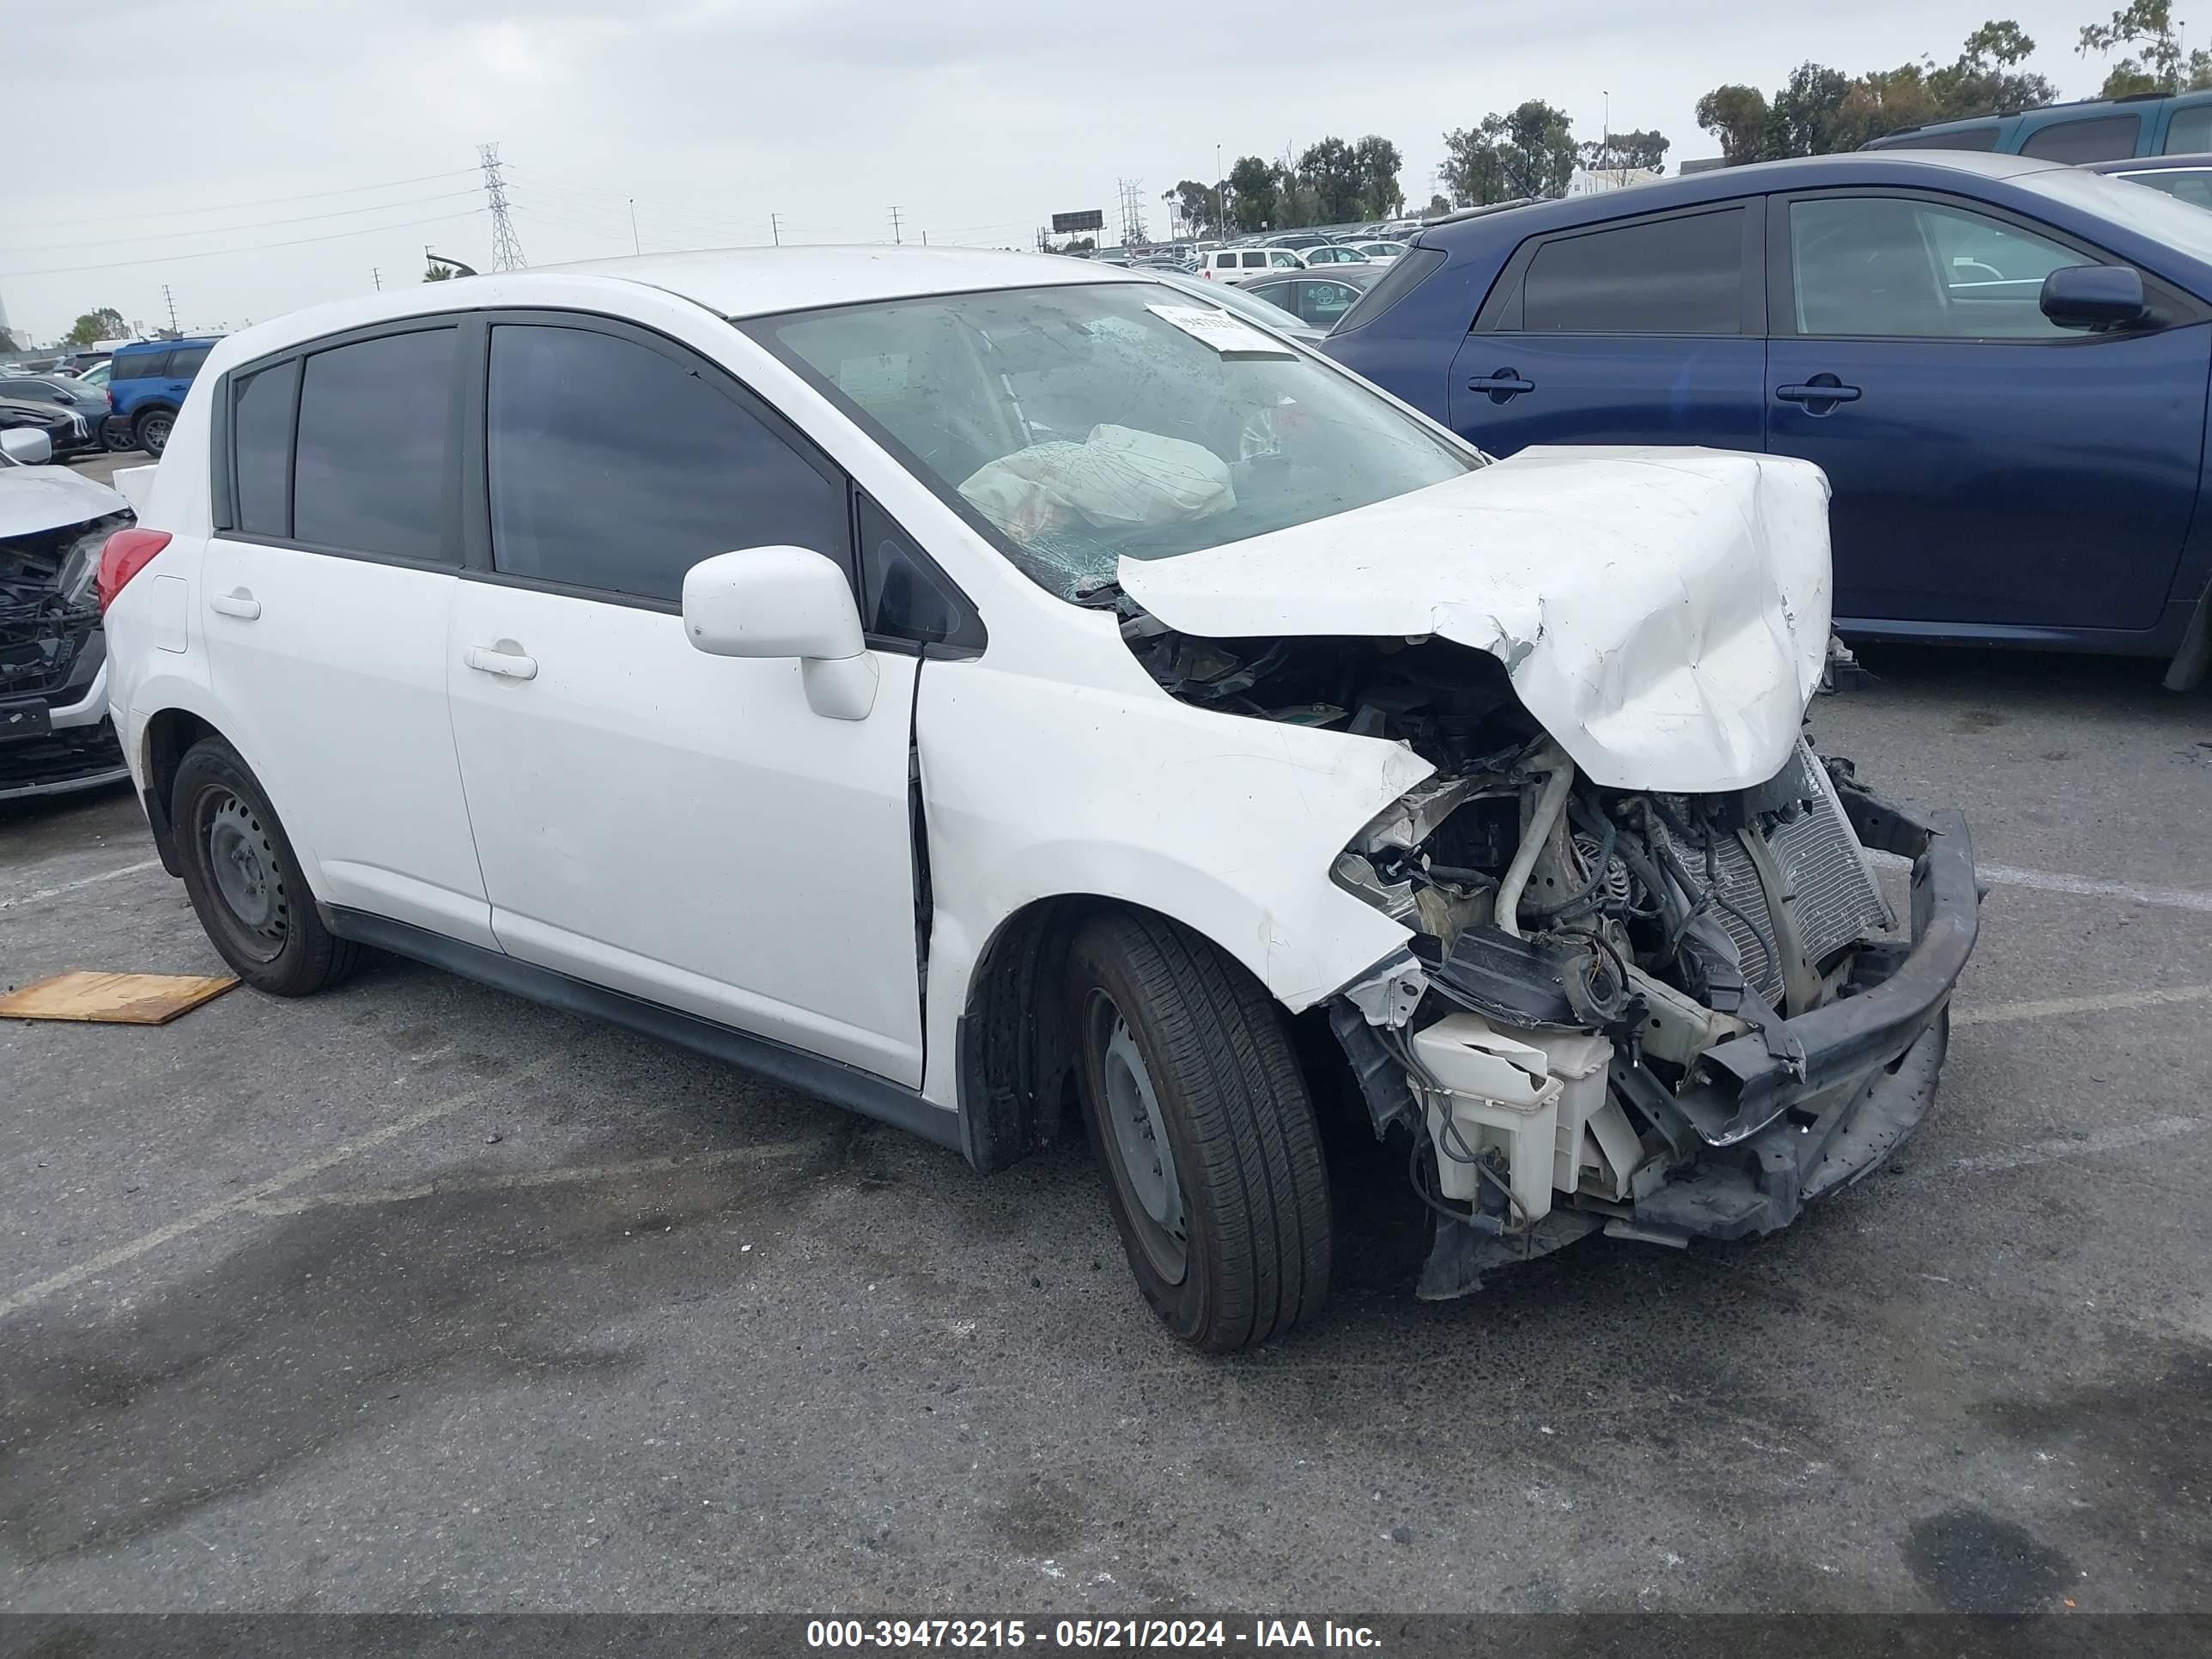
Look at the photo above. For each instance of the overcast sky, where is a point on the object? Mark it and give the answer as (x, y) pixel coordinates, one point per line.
(214, 128)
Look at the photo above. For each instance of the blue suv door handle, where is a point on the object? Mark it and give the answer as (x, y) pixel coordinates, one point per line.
(1502, 386)
(1820, 394)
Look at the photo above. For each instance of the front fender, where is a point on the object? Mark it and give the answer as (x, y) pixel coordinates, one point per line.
(1034, 789)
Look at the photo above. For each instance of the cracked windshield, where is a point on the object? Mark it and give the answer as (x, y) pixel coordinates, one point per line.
(1085, 423)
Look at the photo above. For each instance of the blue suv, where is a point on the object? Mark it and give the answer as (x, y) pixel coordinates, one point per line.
(146, 384)
(2002, 365)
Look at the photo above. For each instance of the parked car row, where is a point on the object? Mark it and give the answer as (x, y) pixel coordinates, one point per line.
(127, 401)
(2000, 363)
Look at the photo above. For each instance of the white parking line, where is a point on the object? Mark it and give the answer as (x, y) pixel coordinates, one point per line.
(2057, 881)
(2108, 1002)
(567, 1175)
(2066, 1146)
(81, 881)
(16, 1301)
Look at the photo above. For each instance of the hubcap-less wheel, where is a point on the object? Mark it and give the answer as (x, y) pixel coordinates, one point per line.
(244, 865)
(154, 435)
(1136, 1139)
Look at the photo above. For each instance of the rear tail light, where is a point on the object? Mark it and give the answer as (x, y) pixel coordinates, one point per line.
(111, 398)
(127, 553)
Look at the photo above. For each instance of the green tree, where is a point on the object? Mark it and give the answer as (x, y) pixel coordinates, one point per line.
(1377, 160)
(439, 273)
(1252, 193)
(1987, 78)
(1801, 119)
(1537, 150)
(1632, 152)
(2147, 26)
(1195, 202)
(1437, 205)
(1331, 176)
(1736, 115)
(1473, 172)
(104, 324)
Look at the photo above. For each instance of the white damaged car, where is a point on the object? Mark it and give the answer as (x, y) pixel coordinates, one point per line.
(993, 692)
(54, 738)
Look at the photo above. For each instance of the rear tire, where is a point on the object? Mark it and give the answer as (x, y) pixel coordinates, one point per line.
(152, 430)
(245, 882)
(1182, 1053)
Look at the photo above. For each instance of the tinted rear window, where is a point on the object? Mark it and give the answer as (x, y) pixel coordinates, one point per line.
(2189, 132)
(2106, 138)
(1406, 273)
(374, 434)
(1665, 276)
(1958, 138)
(185, 361)
(140, 366)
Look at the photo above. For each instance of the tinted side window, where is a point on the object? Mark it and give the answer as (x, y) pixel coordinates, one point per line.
(1963, 139)
(2190, 131)
(2193, 186)
(185, 361)
(374, 444)
(1668, 277)
(140, 366)
(2105, 139)
(1888, 267)
(261, 442)
(612, 466)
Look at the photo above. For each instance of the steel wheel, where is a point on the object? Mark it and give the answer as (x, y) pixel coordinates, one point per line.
(1136, 1140)
(243, 861)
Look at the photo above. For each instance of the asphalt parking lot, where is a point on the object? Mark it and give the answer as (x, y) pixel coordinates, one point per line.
(417, 1297)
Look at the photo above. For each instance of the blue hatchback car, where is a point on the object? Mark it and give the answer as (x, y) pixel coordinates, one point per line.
(2000, 363)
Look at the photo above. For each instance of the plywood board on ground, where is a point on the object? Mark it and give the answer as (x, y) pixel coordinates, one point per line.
(113, 999)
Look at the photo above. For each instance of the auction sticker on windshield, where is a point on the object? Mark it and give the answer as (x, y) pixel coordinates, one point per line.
(1222, 332)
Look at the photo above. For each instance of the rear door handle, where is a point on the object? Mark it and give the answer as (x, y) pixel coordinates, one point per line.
(237, 603)
(497, 659)
(1503, 385)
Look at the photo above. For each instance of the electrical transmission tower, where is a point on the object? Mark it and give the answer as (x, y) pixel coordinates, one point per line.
(506, 245)
(1132, 212)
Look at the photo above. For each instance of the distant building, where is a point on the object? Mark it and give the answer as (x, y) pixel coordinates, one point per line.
(1588, 182)
(1702, 164)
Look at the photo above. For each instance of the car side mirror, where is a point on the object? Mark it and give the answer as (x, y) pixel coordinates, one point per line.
(2094, 296)
(785, 602)
(26, 448)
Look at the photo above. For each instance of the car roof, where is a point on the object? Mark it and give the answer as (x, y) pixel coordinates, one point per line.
(166, 345)
(758, 281)
(1884, 166)
(2151, 164)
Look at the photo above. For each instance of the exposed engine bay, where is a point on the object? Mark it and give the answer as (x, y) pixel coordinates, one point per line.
(1564, 1041)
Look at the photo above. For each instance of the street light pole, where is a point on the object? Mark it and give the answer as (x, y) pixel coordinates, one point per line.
(1220, 213)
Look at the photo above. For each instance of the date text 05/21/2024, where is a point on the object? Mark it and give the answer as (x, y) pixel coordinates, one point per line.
(856, 1633)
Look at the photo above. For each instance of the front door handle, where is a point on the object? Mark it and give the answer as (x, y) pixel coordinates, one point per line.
(505, 659)
(237, 603)
(1503, 386)
(1820, 394)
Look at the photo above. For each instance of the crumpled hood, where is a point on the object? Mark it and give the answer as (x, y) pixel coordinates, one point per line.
(1663, 612)
(36, 498)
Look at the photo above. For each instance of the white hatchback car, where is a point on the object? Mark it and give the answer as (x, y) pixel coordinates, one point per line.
(986, 691)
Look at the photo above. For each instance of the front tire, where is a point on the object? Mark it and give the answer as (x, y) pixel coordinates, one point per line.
(245, 880)
(1196, 1105)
